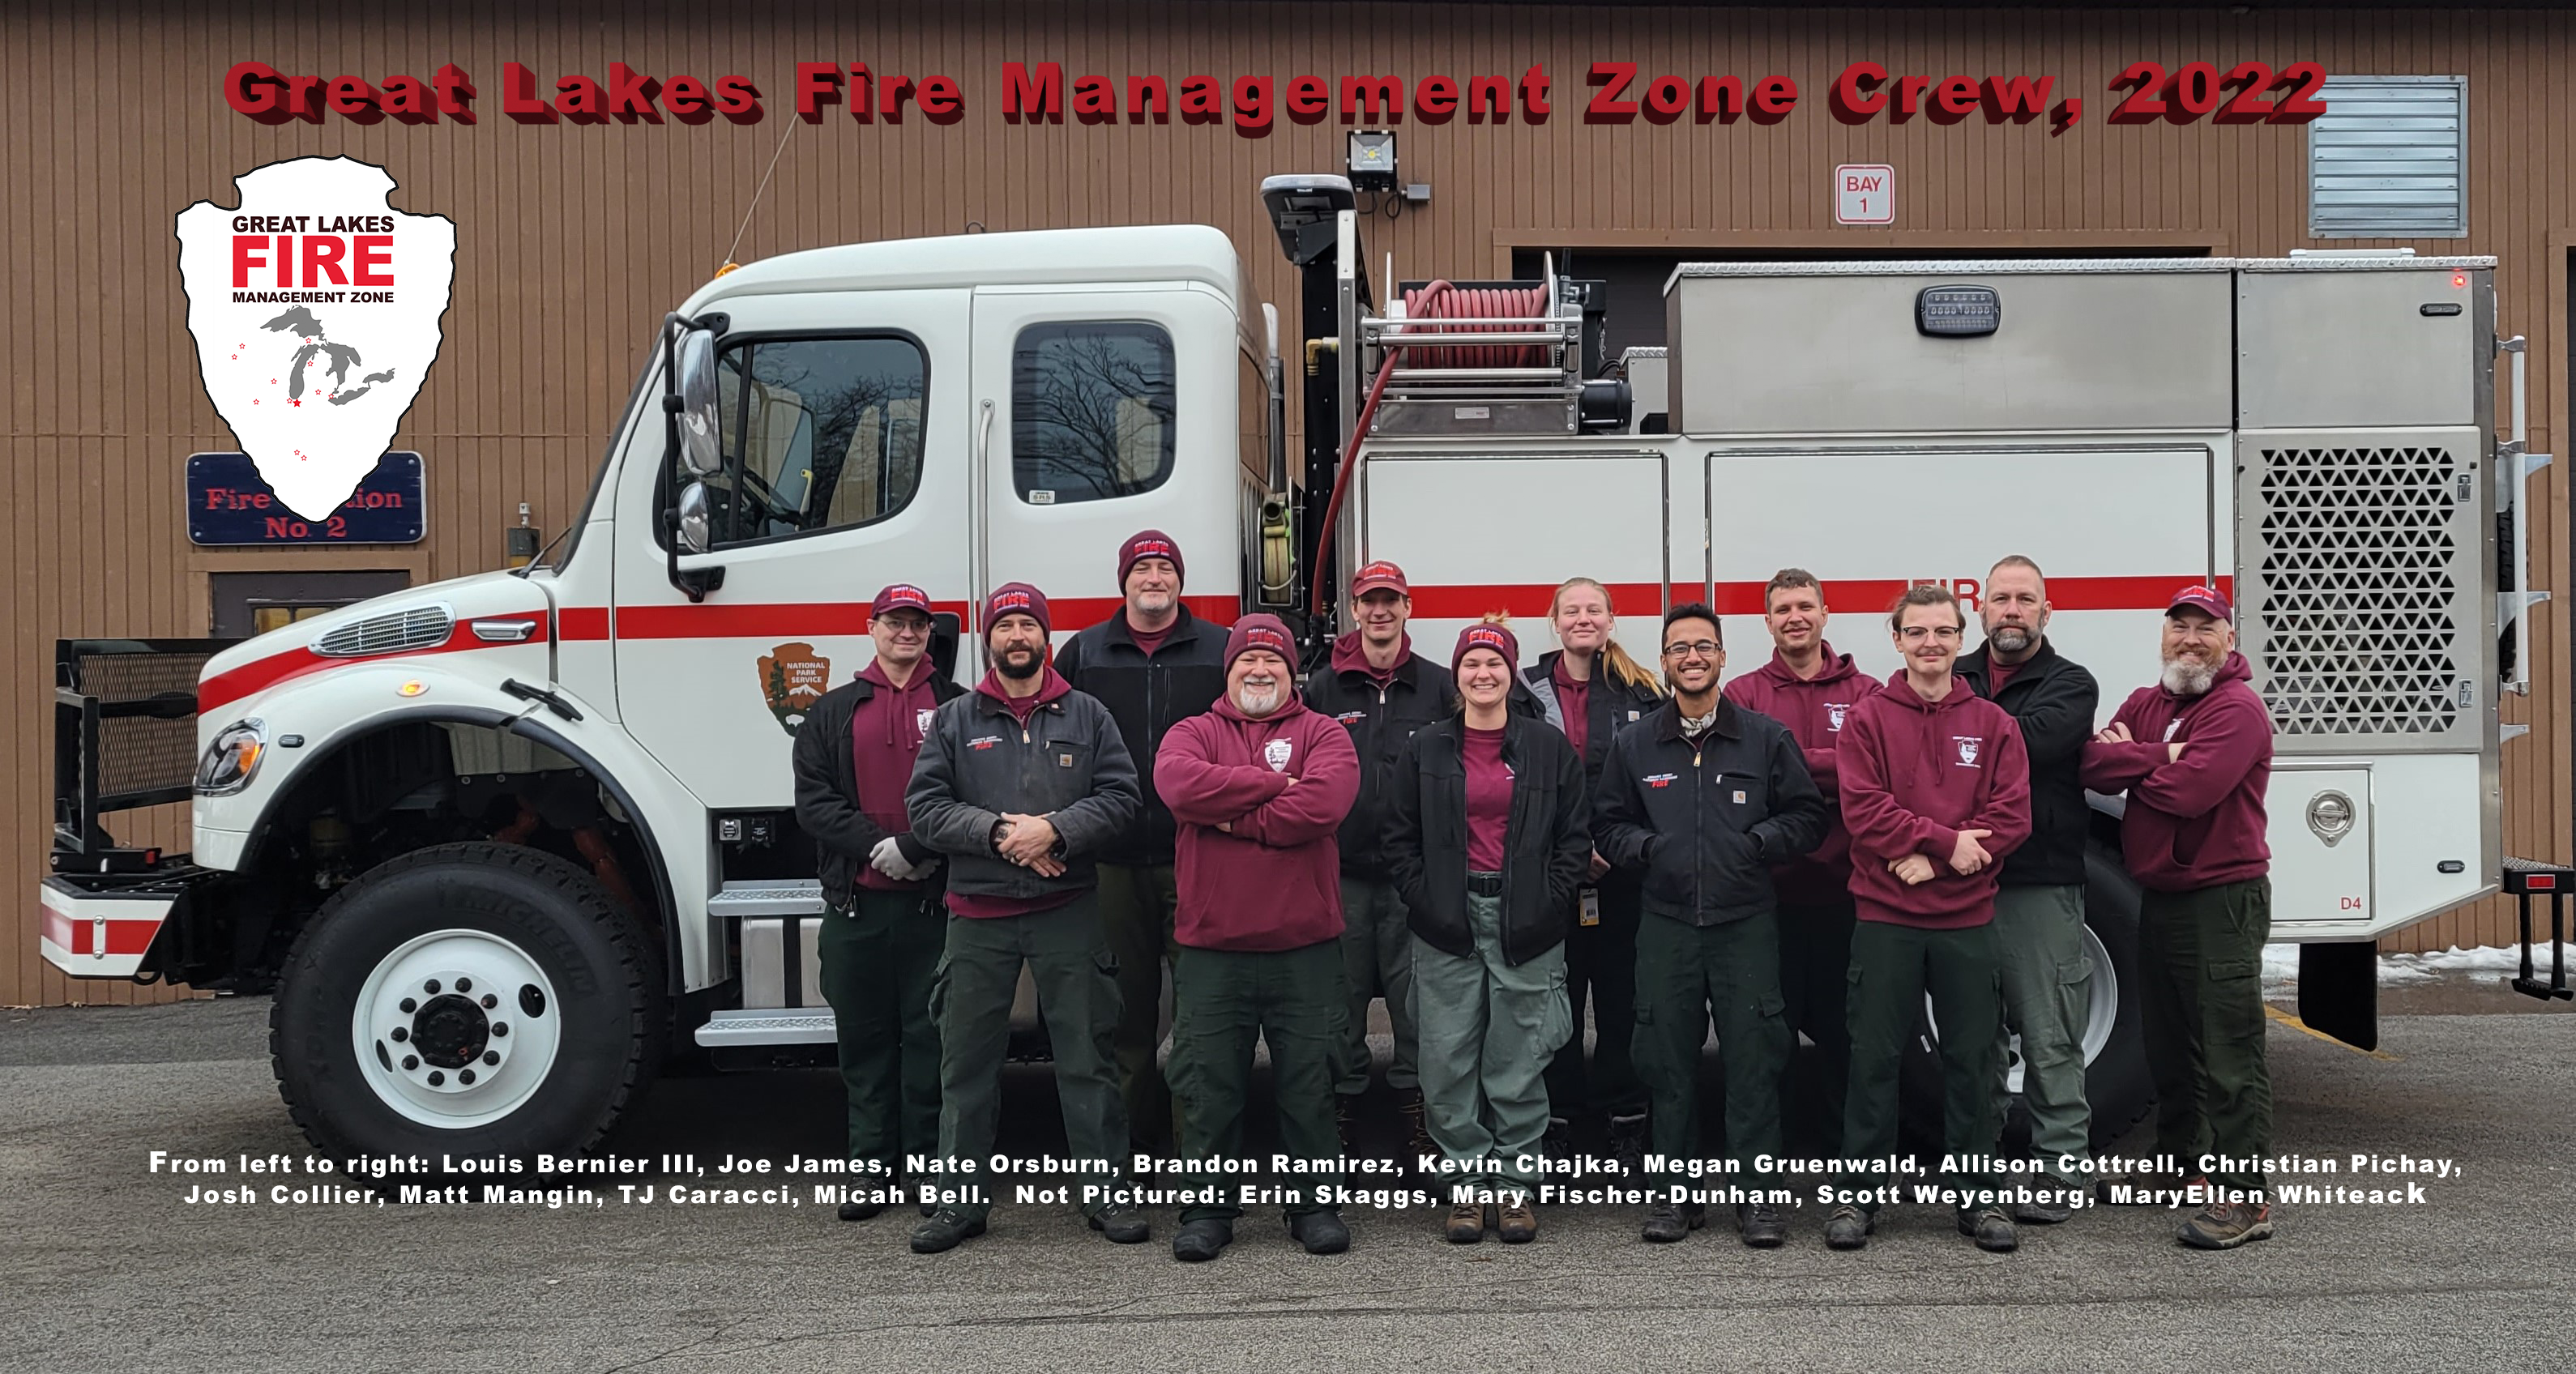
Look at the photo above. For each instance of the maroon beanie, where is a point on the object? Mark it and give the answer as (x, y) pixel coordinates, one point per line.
(1149, 544)
(1498, 638)
(1017, 598)
(1260, 632)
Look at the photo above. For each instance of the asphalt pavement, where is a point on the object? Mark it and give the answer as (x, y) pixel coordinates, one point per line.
(106, 1266)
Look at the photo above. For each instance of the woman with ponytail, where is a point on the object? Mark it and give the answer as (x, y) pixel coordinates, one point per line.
(1591, 689)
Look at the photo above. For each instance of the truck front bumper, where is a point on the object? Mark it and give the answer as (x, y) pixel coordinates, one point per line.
(104, 925)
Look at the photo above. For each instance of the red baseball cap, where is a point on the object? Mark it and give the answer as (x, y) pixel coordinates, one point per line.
(901, 596)
(1379, 576)
(2208, 600)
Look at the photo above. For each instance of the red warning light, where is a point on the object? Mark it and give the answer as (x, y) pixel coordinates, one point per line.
(2459, 279)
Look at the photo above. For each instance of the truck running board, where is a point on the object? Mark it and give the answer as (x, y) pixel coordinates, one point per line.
(2525, 879)
(733, 1029)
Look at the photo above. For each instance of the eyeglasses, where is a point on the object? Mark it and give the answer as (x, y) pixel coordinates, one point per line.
(1913, 634)
(1697, 648)
(906, 626)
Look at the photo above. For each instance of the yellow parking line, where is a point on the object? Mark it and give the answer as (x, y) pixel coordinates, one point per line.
(2304, 1028)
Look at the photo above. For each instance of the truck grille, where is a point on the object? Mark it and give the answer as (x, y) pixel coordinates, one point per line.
(420, 627)
(2357, 596)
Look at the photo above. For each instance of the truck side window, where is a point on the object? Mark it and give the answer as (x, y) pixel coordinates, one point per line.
(818, 434)
(1091, 411)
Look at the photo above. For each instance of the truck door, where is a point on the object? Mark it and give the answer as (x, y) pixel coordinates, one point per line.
(1100, 412)
(845, 425)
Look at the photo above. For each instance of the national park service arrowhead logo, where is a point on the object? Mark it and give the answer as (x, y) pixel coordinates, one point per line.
(792, 678)
(316, 306)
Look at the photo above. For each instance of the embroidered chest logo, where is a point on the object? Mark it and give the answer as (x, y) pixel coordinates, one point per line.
(1834, 713)
(1968, 747)
(983, 742)
(1660, 779)
(1739, 799)
(1352, 717)
(1275, 753)
(921, 721)
(1064, 760)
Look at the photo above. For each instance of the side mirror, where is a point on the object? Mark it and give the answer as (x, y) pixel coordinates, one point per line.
(694, 383)
(695, 521)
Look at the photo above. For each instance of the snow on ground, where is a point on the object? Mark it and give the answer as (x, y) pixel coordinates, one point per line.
(2494, 964)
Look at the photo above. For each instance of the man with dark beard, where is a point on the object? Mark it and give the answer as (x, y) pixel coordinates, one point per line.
(2194, 753)
(2039, 905)
(1020, 784)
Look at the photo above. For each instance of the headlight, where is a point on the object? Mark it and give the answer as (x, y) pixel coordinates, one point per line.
(232, 758)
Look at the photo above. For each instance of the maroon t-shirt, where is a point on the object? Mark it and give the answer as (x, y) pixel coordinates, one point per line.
(1151, 642)
(1571, 699)
(1997, 674)
(1489, 800)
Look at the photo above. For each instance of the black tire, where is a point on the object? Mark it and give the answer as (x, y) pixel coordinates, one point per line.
(2117, 1085)
(604, 967)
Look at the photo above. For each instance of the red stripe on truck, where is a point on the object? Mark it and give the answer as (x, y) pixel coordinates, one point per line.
(1465, 601)
(128, 936)
(816, 619)
(259, 675)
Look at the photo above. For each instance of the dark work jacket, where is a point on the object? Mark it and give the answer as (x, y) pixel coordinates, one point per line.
(1146, 697)
(1380, 722)
(827, 787)
(1545, 847)
(2052, 698)
(1068, 765)
(1706, 823)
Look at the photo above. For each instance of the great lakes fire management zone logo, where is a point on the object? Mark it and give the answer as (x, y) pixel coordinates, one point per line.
(792, 678)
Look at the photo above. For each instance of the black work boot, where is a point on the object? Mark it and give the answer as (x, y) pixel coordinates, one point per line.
(1628, 1142)
(1322, 1233)
(1667, 1222)
(1122, 1224)
(1557, 1146)
(2051, 1201)
(860, 1211)
(1848, 1228)
(945, 1228)
(1201, 1240)
(1992, 1230)
(1760, 1225)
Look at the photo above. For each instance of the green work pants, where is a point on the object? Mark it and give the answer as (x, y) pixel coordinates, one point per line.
(1488, 1029)
(1815, 972)
(878, 955)
(1222, 1001)
(1377, 961)
(2201, 956)
(1892, 967)
(1687, 976)
(1136, 907)
(2039, 932)
(1077, 982)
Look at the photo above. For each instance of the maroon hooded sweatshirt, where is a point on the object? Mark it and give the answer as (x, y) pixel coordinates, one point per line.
(1051, 685)
(885, 740)
(1815, 710)
(2198, 820)
(1271, 878)
(1915, 773)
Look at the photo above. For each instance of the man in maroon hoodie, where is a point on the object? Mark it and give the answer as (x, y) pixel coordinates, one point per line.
(1811, 689)
(1258, 785)
(2194, 753)
(1936, 788)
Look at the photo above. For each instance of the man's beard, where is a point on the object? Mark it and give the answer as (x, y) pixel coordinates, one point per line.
(2012, 639)
(1259, 701)
(2188, 677)
(1008, 664)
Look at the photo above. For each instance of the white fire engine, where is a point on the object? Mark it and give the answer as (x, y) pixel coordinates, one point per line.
(501, 843)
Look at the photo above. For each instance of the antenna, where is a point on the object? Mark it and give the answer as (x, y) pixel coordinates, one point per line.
(755, 198)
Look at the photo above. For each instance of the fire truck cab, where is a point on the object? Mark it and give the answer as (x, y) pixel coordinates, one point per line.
(504, 843)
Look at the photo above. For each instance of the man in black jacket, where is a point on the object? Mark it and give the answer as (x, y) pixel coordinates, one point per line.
(1022, 782)
(1383, 692)
(881, 939)
(2039, 909)
(1704, 798)
(1153, 665)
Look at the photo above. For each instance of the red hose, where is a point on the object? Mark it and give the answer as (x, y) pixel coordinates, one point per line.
(1466, 305)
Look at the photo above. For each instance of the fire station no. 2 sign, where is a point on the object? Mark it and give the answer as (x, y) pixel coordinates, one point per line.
(1864, 193)
(228, 504)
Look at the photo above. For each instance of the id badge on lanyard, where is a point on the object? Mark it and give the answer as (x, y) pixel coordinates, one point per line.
(1589, 909)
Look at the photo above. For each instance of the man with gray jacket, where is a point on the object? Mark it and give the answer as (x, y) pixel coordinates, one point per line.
(1020, 784)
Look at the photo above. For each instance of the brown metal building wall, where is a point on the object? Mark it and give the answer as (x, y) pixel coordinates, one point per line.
(573, 239)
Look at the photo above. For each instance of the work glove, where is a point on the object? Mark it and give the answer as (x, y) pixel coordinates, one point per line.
(887, 858)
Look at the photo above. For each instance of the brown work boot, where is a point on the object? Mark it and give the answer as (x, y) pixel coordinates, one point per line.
(1417, 1126)
(1518, 1223)
(1466, 1224)
(2171, 1189)
(2223, 1225)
